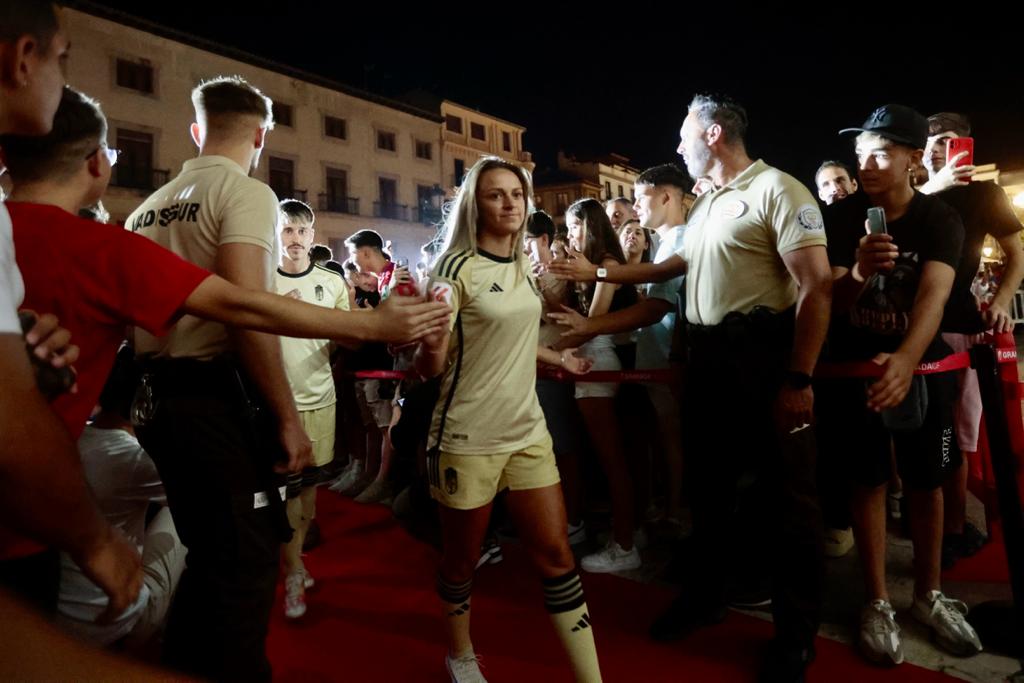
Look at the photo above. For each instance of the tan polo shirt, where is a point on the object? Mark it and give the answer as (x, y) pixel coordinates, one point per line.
(735, 238)
(212, 202)
(307, 362)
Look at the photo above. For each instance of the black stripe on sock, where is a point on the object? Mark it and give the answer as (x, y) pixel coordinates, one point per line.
(563, 593)
(455, 593)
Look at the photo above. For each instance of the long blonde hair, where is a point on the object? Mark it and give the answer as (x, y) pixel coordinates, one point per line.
(461, 220)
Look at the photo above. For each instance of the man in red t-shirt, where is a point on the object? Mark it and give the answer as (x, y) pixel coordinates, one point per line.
(43, 495)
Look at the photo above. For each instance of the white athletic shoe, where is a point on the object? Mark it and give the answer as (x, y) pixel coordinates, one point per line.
(348, 476)
(464, 669)
(945, 617)
(612, 559)
(294, 596)
(880, 634)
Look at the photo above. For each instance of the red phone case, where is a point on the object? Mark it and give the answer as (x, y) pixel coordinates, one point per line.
(957, 145)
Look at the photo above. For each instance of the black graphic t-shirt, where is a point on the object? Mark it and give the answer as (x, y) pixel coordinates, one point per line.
(984, 209)
(877, 322)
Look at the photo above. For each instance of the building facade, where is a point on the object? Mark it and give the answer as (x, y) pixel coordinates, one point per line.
(360, 160)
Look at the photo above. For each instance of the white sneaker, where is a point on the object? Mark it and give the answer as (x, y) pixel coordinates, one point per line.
(377, 492)
(838, 542)
(464, 669)
(577, 533)
(294, 596)
(945, 617)
(612, 559)
(879, 639)
(348, 476)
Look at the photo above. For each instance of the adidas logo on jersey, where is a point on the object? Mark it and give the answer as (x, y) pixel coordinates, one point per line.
(496, 288)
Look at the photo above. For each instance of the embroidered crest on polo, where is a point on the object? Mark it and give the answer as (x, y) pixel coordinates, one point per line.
(809, 218)
(734, 209)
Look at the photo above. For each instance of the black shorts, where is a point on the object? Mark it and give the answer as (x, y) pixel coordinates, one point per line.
(859, 442)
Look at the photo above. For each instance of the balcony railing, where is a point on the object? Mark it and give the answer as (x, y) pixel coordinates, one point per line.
(143, 179)
(336, 204)
(428, 215)
(397, 212)
(290, 193)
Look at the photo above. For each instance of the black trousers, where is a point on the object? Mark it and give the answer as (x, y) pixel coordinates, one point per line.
(35, 579)
(215, 457)
(734, 374)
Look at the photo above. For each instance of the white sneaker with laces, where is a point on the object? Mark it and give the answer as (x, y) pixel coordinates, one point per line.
(879, 638)
(946, 618)
(464, 669)
(294, 596)
(612, 559)
(348, 476)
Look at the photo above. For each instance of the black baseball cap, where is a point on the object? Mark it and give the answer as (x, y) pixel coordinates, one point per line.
(895, 122)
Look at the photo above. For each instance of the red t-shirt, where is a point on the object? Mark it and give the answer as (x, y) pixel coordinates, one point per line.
(97, 279)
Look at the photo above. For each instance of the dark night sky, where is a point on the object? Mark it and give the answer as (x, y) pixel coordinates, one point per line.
(621, 83)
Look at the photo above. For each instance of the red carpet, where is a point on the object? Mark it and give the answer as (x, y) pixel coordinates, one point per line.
(373, 617)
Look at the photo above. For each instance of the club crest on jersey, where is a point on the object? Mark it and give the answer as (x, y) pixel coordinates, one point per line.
(451, 481)
(319, 290)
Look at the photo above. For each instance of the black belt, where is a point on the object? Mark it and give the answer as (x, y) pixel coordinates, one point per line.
(220, 377)
(761, 325)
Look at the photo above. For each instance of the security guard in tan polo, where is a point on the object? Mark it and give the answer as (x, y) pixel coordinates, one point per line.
(216, 411)
(758, 295)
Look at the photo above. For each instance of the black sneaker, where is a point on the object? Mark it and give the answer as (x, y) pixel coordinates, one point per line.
(490, 553)
(785, 664)
(684, 616)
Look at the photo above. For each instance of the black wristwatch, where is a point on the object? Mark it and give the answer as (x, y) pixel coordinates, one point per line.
(797, 380)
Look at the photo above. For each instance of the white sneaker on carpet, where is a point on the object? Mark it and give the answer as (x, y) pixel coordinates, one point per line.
(294, 596)
(879, 638)
(464, 669)
(377, 492)
(349, 476)
(946, 618)
(612, 559)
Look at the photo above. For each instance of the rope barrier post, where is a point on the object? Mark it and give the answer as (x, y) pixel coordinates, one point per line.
(1000, 624)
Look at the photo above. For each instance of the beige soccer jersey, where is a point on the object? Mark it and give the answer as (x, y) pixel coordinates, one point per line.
(735, 238)
(210, 203)
(307, 362)
(488, 402)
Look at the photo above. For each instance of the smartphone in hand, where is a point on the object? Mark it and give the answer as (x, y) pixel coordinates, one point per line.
(876, 221)
(956, 145)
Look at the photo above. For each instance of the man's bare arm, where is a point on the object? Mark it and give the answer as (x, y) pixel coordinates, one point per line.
(399, 319)
(43, 492)
(580, 269)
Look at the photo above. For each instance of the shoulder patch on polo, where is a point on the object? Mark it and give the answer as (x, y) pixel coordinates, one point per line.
(809, 218)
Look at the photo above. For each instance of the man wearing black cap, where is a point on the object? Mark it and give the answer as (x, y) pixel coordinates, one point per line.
(985, 210)
(888, 300)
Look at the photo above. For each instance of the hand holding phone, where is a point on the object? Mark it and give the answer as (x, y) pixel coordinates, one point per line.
(956, 146)
(876, 221)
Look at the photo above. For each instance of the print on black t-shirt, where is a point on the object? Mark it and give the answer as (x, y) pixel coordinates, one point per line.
(928, 231)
